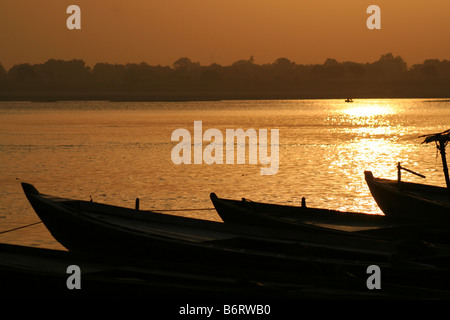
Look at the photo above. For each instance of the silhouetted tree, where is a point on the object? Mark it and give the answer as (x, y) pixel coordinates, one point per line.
(431, 68)
(244, 70)
(57, 71)
(212, 73)
(108, 73)
(22, 73)
(185, 71)
(332, 69)
(2, 72)
(137, 73)
(389, 74)
(387, 66)
(283, 64)
(354, 70)
(185, 64)
(244, 63)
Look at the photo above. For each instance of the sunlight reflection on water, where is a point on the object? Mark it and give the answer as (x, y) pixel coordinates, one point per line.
(366, 110)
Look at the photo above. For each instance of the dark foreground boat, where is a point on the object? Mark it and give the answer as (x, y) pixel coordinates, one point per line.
(312, 220)
(41, 274)
(38, 273)
(410, 200)
(126, 235)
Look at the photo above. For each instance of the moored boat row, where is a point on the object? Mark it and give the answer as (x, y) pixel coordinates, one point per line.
(410, 209)
(275, 255)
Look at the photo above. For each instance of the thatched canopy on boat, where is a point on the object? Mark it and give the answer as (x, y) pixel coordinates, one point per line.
(442, 137)
(441, 140)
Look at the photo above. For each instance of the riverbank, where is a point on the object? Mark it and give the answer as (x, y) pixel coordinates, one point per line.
(49, 96)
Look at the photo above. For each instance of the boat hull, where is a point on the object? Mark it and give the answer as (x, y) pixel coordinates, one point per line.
(131, 237)
(410, 200)
(101, 229)
(311, 220)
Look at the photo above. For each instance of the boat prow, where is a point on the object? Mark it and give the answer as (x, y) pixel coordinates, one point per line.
(410, 200)
(29, 188)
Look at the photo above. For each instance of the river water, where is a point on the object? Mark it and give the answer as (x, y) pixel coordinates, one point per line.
(116, 152)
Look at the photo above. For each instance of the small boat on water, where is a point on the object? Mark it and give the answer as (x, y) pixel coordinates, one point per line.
(313, 220)
(348, 100)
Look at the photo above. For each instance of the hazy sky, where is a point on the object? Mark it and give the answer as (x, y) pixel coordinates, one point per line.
(208, 31)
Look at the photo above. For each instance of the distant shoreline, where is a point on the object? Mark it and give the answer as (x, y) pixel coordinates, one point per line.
(204, 96)
(388, 77)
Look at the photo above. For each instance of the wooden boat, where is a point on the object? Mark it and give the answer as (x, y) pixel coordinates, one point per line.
(96, 230)
(413, 200)
(313, 220)
(85, 226)
(28, 272)
(39, 273)
(410, 200)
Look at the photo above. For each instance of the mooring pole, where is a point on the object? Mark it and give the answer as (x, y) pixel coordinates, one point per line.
(137, 204)
(441, 140)
(441, 147)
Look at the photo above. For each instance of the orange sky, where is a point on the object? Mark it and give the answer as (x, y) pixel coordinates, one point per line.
(222, 31)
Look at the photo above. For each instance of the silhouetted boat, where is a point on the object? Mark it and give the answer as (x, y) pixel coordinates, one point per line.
(348, 100)
(409, 200)
(313, 220)
(39, 273)
(85, 226)
(96, 230)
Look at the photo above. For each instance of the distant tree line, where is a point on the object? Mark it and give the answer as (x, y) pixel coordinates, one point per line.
(388, 76)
